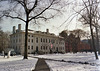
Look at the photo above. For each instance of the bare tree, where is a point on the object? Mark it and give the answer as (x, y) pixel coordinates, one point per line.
(64, 34)
(32, 10)
(4, 40)
(72, 39)
(95, 19)
(1, 32)
(78, 33)
(89, 15)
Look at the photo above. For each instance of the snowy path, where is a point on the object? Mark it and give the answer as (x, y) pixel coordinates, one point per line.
(41, 65)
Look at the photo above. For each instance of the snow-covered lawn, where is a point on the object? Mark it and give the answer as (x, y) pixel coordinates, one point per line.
(78, 57)
(16, 63)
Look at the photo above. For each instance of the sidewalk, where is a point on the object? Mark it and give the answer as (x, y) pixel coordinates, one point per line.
(41, 65)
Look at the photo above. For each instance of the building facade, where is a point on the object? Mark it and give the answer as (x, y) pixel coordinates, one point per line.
(82, 46)
(39, 42)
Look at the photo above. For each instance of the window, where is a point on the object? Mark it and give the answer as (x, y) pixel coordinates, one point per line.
(28, 47)
(28, 40)
(46, 40)
(41, 47)
(32, 35)
(41, 39)
(44, 47)
(31, 47)
(49, 40)
(32, 40)
(29, 35)
(37, 40)
(53, 41)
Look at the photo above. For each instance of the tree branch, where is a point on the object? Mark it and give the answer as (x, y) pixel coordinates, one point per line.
(23, 4)
(67, 19)
(42, 11)
(15, 17)
(86, 6)
(35, 4)
(82, 16)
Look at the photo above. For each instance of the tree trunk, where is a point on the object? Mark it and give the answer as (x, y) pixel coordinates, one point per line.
(68, 47)
(93, 44)
(94, 49)
(26, 38)
(97, 38)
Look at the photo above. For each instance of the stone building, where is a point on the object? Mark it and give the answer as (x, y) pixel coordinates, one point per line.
(43, 42)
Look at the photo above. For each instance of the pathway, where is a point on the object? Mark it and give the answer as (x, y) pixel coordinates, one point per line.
(41, 65)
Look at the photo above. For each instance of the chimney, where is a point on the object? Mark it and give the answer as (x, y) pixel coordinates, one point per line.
(47, 30)
(19, 27)
(14, 29)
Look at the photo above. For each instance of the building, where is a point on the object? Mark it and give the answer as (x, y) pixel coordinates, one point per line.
(38, 42)
(82, 46)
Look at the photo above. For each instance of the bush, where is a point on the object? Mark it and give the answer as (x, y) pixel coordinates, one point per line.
(40, 52)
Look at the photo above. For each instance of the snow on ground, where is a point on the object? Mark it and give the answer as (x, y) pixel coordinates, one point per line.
(17, 63)
(78, 57)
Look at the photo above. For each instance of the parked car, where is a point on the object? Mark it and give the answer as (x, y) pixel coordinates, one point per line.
(13, 53)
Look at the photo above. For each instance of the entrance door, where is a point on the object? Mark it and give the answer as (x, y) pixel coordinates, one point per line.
(57, 49)
(36, 48)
